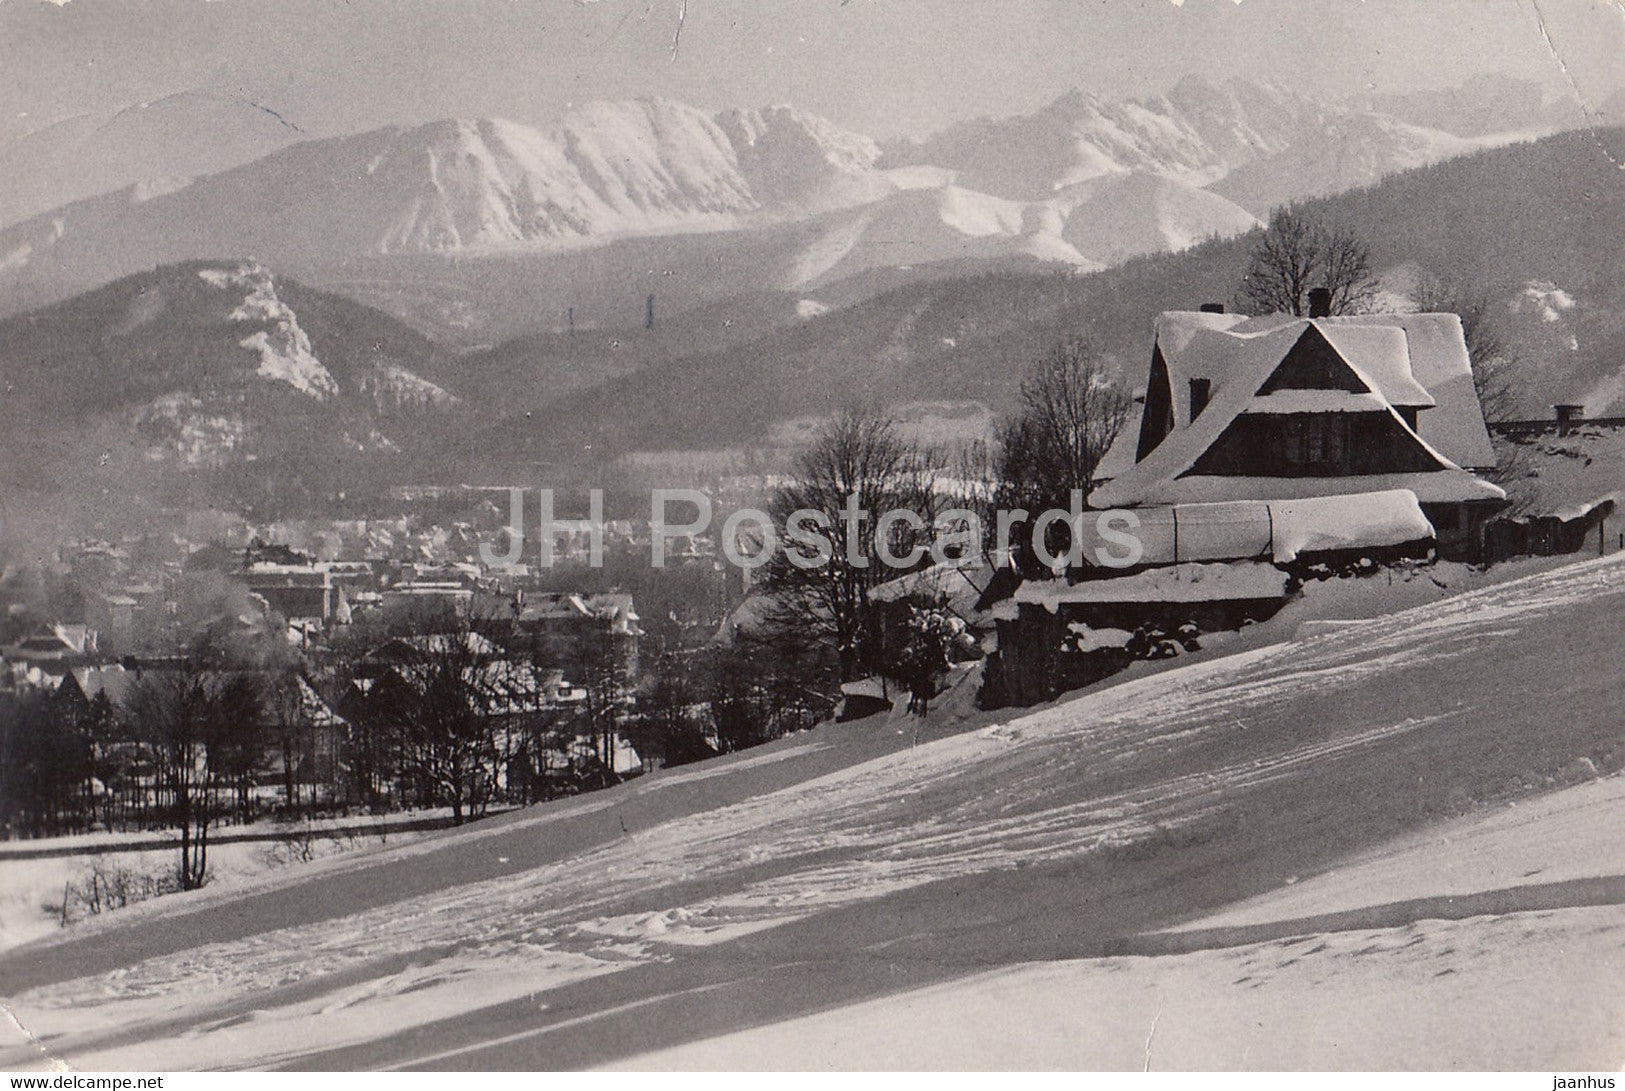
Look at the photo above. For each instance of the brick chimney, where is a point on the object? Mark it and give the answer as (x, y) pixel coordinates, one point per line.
(1320, 302)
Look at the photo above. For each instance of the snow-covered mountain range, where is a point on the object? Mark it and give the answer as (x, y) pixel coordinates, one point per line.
(1084, 182)
(1199, 133)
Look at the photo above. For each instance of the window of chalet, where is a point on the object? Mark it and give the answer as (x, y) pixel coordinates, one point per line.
(1313, 441)
(1313, 445)
(1444, 516)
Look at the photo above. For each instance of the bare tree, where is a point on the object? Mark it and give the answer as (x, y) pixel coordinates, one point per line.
(198, 717)
(599, 662)
(859, 464)
(670, 708)
(1298, 253)
(1070, 413)
(436, 699)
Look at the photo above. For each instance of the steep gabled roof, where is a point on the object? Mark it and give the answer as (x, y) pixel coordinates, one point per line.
(58, 639)
(1414, 360)
(313, 710)
(1382, 355)
(1239, 361)
(405, 649)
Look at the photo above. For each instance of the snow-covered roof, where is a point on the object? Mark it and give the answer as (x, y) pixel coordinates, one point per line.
(313, 709)
(1185, 583)
(959, 584)
(1381, 354)
(1280, 529)
(1335, 523)
(1449, 486)
(1316, 401)
(1439, 362)
(113, 681)
(407, 647)
(1238, 359)
(1581, 508)
(864, 687)
(1412, 360)
(1120, 455)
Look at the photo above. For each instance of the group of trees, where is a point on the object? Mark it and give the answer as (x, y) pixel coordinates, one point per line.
(432, 709)
(823, 615)
(181, 748)
(447, 709)
(721, 699)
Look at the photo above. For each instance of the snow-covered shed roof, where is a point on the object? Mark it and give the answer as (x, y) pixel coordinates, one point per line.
(958, 584)
(1338, 523)
(1186, 583)
(1280, 529)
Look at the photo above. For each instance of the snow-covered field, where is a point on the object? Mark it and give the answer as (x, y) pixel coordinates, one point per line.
(33, 888)
(1529, 980)
(1068, 872)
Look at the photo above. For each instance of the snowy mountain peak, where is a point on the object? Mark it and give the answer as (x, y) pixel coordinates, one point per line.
(617, 170)
(282, 346)
(1198, 133)
(604, 169)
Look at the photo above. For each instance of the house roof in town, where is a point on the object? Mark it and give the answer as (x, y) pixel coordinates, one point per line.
(114, 682)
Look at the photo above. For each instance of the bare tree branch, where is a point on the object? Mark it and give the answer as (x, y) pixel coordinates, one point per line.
(1298, 253)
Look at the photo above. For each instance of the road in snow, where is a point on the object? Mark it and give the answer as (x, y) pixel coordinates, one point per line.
(860, 870)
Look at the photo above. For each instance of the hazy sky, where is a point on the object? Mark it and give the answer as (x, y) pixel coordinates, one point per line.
(879, 66)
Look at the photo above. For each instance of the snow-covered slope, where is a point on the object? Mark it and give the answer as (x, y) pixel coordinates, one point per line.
(924, 225)
(606, 169)
(1354, 150)
(1089, 225)
(801, 877)
(1198, 134)
(1082, 136)
(1122, 216)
